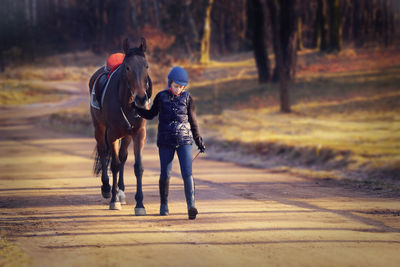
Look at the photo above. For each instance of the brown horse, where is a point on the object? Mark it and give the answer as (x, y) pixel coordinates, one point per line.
(116, 123)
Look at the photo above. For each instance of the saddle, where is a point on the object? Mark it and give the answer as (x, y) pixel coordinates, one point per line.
(101, 83)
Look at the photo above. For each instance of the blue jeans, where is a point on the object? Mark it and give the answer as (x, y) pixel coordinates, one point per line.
(185, 160)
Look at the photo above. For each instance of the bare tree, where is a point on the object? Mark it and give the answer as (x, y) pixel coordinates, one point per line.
(284, 19)
(335, 26)
(205, 40)
(321, 26)
(192, 36)
(257, 32)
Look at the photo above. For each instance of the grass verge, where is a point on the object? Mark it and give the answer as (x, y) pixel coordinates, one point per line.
(74, 120)
(15, 92)
(343, 126)
(345, 122)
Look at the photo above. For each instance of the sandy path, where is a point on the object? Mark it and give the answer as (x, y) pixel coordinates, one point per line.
(51, 208)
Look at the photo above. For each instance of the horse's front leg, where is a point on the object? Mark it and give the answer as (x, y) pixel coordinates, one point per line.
(138, 145)
(115, 204)
(123, 155)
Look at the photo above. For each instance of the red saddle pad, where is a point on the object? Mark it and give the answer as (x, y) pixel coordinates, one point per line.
(114, 60)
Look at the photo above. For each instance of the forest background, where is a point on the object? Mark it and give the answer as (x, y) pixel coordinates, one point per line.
(310, 87)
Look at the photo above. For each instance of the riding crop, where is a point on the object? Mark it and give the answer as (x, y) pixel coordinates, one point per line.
(196, 156)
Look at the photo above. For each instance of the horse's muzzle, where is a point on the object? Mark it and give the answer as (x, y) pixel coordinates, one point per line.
(142, 102)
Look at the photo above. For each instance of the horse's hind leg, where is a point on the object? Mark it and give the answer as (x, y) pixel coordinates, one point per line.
(103, 153)
(115, 204)
(138, 145)
(123, 155)
(105, 180)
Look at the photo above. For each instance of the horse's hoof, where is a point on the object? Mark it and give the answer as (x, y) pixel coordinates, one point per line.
(140, 211)
(122, 197)
(106, 194)
(115, 206)
(164, 210)
(192, 212)
(106, 191)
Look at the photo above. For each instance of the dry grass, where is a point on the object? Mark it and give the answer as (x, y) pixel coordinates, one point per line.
(71, 66)
(75, 119)
(16, 92)
(345, 121)
(26, 84)
(19, 85)
(367, 139)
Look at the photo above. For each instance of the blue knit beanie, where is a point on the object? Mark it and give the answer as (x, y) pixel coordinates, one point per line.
(179, 76)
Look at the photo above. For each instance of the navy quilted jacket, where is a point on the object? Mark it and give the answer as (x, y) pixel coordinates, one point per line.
(177, 124)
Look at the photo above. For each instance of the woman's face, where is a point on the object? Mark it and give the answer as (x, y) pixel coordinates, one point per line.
(177, 88)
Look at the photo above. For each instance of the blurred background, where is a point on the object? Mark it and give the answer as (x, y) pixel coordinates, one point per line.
(309, 87)
(31, 29)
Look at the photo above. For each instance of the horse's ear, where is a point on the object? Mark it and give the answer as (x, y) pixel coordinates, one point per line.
(143, 45)
(125, 45)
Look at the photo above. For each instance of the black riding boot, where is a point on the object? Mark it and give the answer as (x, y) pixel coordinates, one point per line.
(164, 187)
(189, 194)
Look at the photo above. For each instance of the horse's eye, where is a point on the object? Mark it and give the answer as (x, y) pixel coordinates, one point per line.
(147, 66)
(128, 68)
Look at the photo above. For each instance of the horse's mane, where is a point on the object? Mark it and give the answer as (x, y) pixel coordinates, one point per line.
(134, 51)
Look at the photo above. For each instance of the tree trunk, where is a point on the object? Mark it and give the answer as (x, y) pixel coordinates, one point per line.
(357, 23)
(348, 20)
(321, 27)
(244, 19)
(284, 16)
(273, 7)
(284, 92)
(98, 26)
(300, 45)
(34, 13)
(192, 37)
(205, 40)
(392, 13)
(222, 29)
(256, 22)
(117, 16)
(335, 27)
(156, 13)
(289, 20)
(31, 20)
(28, 13)
(284, 27)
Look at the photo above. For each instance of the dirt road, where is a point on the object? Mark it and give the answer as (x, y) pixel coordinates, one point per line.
(52, 209)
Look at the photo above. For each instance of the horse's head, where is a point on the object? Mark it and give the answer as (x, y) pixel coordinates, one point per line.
(136, 75)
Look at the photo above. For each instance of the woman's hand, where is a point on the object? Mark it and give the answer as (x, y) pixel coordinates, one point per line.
(200, 144)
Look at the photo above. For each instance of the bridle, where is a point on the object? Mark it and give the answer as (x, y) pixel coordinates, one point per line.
(132, 52)
(138, 52)
(146, 96)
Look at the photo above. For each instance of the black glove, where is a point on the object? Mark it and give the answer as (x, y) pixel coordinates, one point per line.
(200, 144)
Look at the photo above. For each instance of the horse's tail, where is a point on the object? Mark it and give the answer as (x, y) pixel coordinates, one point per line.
(97, 162)
(97, 166)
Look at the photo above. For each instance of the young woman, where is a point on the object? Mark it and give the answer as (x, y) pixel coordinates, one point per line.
(177, 128)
